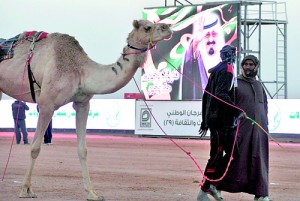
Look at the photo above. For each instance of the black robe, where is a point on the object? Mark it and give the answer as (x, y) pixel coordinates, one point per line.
(249, 170)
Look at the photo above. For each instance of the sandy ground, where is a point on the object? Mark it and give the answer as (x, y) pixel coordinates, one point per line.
(131, 168)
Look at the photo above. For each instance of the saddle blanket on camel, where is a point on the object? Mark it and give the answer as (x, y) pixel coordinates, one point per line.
(7, 45)
(7, 52)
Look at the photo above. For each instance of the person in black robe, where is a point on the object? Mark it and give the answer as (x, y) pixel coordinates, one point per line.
(219, 117)
(249, 169)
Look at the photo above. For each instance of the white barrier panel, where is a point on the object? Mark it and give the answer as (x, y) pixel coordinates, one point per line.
(103, 114)
(183, 118)
(176, 118)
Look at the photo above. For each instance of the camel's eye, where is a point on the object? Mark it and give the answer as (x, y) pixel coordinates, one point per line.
(147, 28)
(165, 27)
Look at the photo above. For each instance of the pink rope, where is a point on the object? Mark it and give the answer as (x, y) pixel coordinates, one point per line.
(229, 162)
(187, 152)
(30, 55)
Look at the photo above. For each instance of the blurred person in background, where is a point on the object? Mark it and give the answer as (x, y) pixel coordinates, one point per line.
(48, 132)
(19, 115)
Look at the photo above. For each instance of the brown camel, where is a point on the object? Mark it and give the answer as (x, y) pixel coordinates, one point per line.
(66, 74)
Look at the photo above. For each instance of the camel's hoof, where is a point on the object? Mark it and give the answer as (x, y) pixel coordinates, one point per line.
(27, 193)
(100, 198)
(92, 196)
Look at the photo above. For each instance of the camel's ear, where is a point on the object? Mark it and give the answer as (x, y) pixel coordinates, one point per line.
(136, 24)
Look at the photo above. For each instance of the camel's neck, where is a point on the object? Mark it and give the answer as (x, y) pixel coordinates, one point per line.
(104, 79)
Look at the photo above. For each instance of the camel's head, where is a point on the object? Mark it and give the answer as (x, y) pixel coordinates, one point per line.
(146, 33)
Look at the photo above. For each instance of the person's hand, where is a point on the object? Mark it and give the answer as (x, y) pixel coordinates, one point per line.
(202, 133)
(203, 129)
(197, 54)
(198, 33)
(242, 116)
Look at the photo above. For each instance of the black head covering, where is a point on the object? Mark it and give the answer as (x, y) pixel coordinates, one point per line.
(227, 54)
(253, 58)
(253, 72)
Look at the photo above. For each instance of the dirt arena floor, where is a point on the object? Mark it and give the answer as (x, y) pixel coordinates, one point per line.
(132, 168)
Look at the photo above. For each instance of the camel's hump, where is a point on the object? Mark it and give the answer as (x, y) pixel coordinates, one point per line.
(54, 37)
(64, 41)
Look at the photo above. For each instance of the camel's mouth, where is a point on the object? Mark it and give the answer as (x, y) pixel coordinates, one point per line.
(166, 37)
(169, 36)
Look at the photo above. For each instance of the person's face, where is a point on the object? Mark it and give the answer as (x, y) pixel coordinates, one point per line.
(249, 69)
(249, 65)
(210, 39)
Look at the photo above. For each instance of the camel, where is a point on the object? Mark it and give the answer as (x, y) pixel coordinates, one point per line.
(66, 74)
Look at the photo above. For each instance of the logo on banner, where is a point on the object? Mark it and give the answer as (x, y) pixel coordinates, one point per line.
(145, 120)
(274, 116)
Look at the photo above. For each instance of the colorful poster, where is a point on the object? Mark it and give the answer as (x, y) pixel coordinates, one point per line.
(177, 69)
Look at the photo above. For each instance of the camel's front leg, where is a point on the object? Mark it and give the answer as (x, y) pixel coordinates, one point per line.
(82, 110)
(26, 191)
(43, 121)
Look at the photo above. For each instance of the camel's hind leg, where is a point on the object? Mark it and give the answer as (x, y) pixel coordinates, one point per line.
(44, 118)
(82, 110)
